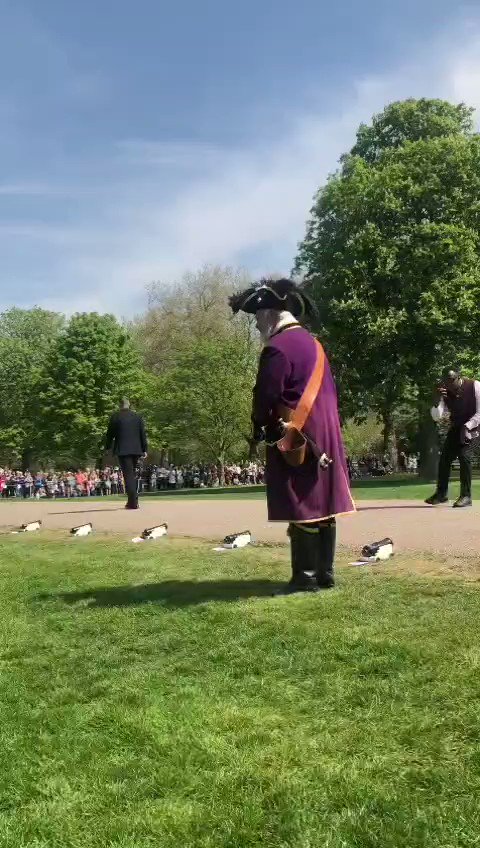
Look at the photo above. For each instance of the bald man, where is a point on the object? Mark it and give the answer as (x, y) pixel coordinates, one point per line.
(126, 437)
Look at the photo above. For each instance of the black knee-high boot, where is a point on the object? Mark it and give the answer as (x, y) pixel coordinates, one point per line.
(327, 534)
(304, 560)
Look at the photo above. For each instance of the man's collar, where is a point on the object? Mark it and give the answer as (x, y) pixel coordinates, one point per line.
(290, 326)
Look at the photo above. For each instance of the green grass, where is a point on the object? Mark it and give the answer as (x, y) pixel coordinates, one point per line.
(403, 489)
(387, 488)
(157, 696)
(395, 487)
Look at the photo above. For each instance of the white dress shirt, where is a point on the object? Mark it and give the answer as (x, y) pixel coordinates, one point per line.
(440, 411)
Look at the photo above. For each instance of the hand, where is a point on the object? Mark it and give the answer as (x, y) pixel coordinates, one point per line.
(441, 392)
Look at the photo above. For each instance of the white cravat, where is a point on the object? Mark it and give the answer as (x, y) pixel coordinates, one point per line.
(284, 318)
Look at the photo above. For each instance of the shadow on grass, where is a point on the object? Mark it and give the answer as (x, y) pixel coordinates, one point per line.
(172, 593)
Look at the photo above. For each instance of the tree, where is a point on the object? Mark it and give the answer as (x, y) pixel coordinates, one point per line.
(206, 394)
(92, 365)
(26, 336)
(411, 120)
(392, 257)
(194, 307)
(362, 438)
(186, 321)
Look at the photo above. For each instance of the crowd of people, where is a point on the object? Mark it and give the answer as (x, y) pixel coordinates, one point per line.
(155, 478)
(109, 481)
(371, 465)
(66, 484)
(162, 477)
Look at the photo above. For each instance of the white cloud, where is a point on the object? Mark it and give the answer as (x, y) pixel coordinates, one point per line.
(237, 203)
(179, 154)
(54, 235)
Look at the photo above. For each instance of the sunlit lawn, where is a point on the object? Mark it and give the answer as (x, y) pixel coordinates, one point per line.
(157, 695)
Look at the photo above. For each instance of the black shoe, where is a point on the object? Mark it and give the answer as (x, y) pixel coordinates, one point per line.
(436, 499)
(463, 500)
(329, 585)
(130, 506)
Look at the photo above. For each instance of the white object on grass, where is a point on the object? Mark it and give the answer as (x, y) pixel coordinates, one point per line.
(29, 528)
(82, 530)
(378, 551)
(236, 540)
(155, 532)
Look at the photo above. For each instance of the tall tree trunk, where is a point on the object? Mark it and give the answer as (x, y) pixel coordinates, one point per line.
(390, 438)
(428, 443)
(27, 459)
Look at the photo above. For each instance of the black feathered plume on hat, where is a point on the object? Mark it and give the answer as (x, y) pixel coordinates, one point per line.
(281, 294)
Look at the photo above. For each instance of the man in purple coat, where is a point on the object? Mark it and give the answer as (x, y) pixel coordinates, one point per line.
(311, 495)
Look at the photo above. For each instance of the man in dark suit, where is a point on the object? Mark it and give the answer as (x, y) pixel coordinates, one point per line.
(126, 437)
(459, 399)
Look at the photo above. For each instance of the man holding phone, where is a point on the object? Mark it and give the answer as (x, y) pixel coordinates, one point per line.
(459, 398)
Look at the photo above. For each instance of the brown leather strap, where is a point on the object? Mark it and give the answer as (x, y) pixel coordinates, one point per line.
(304, 406)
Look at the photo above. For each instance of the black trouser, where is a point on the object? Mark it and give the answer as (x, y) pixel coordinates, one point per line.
(454, 449)
(128, 464)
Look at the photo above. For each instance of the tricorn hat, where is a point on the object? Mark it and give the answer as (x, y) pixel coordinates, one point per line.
(281, 294)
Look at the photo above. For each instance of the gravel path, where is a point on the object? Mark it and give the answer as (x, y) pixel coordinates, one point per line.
(412, 525)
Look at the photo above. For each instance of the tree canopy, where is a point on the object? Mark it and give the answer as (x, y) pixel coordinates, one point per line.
(411, 120)
(92, 365)
(194, 307)
(204, 401)
(392, 254)
(26, 337)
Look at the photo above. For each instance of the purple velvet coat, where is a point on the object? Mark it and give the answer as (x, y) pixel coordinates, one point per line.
(305, 493)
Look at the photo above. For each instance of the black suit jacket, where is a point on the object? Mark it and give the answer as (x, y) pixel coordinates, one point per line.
(126, 434)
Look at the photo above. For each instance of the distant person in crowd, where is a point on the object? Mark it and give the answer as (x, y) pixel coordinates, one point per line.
(412, 463)
(459, 398)
(127, 438)
(80, 483)
(172, 478)
(28, 485)
(294, 373)
(153, 480)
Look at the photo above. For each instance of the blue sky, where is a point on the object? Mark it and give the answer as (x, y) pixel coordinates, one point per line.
(141, 140)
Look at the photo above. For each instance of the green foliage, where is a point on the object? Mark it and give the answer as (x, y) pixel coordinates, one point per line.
(204, 361)
(193, 308)
(205, 397)
(93, 364)
(392, 254)
(362, 437)
(59, 384)
(12, 440)
(411, 120)
(26, 337)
